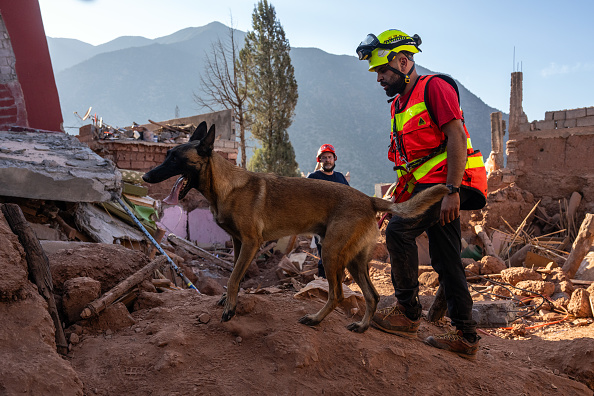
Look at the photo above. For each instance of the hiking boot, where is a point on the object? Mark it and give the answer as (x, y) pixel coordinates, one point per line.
(455, 342)
(393, 320)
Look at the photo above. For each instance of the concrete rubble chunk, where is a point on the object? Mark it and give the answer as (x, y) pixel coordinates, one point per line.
(517, 274)
(534, 286)
(494, 313)
(55, 166)
(579, 305)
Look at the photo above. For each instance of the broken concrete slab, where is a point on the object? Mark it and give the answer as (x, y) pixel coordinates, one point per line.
(56, 166)
(103, 227)
(499, 313)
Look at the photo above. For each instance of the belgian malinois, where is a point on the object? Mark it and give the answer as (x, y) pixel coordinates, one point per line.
(258, 207)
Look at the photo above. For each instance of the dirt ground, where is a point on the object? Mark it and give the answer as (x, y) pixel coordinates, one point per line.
(173, 343)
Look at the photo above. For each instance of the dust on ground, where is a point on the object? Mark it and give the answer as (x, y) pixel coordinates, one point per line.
(172, 342)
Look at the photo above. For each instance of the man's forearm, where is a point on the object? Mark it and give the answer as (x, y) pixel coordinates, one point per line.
(456, 148)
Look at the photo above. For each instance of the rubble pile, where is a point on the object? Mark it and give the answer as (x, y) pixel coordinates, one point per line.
(165, 133)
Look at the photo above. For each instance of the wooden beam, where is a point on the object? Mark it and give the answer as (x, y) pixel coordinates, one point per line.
(94, 308)
(198, 251)
(581, 246)
(38, 265)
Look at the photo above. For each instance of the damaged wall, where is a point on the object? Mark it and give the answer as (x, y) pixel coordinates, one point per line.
(142, 156)
(28, 93)
(550, 157)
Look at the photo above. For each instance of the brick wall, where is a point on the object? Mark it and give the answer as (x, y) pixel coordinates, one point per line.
(12, 102)
(24, 57)
(143, 156)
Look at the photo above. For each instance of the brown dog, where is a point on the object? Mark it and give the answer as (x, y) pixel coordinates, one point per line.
(258, 207)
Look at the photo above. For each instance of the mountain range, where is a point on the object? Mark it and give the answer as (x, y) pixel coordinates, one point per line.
(132, 79)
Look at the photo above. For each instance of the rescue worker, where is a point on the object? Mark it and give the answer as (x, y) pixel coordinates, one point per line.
(429, 145)
(327, 162)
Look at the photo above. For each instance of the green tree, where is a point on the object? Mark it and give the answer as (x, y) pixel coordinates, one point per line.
(272, 92)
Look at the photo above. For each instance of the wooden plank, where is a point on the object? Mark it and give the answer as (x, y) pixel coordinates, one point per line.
(480, 232)
(141, 201)
(198, 251)
(97, 306)
(133, 189)
(581, 246)
(38, 265)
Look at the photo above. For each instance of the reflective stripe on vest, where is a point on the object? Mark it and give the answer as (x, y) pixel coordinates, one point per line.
(405, 116)
(415, 136)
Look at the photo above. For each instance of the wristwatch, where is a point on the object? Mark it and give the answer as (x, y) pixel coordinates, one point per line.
(453, 189)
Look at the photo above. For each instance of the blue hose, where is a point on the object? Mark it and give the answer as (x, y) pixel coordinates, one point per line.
(159, 248)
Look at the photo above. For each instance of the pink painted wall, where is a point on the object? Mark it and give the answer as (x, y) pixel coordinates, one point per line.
(200, 223)
(174, 221)
(203, 228)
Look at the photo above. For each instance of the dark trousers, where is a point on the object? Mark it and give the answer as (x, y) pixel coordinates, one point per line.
(321, 271)
(444, 249)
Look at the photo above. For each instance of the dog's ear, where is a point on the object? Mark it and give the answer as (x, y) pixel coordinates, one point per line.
(199, 132)
(207, 143)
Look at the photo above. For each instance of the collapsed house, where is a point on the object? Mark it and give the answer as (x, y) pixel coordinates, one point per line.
(139, 148)
(57, 193)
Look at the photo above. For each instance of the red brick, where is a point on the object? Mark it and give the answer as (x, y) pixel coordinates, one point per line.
(6, 101)
(123, 164)
(8, 111)
(136, 164)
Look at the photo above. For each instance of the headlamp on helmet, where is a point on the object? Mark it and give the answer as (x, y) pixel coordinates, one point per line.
(382, 49)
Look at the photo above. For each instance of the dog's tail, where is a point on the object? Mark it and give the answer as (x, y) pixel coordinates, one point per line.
(415, 206)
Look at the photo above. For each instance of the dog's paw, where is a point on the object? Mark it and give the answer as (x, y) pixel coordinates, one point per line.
(357, 327)
(223, 300)
(227, 315)
(309, 320)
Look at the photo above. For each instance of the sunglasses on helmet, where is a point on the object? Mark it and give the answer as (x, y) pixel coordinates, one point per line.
(371, 42)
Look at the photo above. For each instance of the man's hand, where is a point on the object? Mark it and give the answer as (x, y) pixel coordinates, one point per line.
(450, 208)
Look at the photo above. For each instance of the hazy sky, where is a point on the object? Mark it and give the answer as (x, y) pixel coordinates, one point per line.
(474, 41)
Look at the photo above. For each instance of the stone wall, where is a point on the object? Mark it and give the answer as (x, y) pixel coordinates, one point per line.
(550, 157)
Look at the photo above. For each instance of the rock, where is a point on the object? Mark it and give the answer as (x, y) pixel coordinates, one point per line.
(147, 286)
(493, 313)
(204, 318)
(13, 264)
(586, 269)
(561, 299)
(501, 291)
(429, 279)
(113, 318)
(209, 283)
(473, 269)
(564, 286)
(518, 330)
(491, 265)
(78, 293)
(30, 363)
(147, 300)
(74, 339)
(579, 305)
(518, 274)
(556, 275)
(535, 286)
(108, 264)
